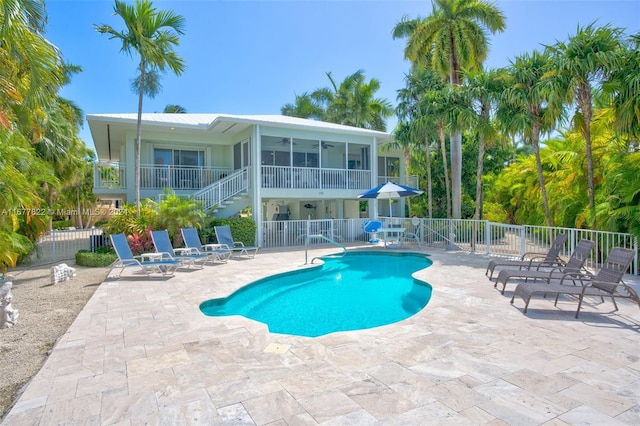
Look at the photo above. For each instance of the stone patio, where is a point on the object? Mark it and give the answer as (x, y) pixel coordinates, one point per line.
(142, 353)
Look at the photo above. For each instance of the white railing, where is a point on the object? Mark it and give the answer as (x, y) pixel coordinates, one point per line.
(109, 176)
(113, 176)
(480, 236)
(227, 187)
(411, 181)
(59, 245)
(314, 178)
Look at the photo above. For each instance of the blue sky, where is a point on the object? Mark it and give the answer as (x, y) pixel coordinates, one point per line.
(252, 57)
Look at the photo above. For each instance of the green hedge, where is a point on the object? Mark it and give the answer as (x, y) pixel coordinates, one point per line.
(243, 229)
(98, 259)
(61, 224)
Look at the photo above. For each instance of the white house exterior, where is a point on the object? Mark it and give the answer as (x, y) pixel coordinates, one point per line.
(284, 168)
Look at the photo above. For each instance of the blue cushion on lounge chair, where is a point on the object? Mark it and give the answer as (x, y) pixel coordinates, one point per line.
(192, 241)
(223, 234)
(126, 259)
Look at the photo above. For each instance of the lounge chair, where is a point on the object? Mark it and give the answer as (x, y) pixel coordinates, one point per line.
(574, 265)
(217, 252)
(126, 259)
(607, 283)
(223, 234)
(533, 260)
(186, 255)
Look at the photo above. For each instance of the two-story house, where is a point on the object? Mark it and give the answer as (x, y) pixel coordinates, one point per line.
(283, 168)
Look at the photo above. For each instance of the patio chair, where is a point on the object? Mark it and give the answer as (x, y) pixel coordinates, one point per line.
(186, 255)
(607, 283)
(417, 232)
(214, 251)
(126, 258)
(574, 265)
(371, 227)
(223, 234)
(532, 260)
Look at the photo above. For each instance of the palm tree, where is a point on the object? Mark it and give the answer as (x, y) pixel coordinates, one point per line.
(152, 35)
(523, 108)
(625, 88)
(582, 64)
(174, 109)
(351, 102)
(407, 134)
(304, 106)
(452, 38)
(484, 89)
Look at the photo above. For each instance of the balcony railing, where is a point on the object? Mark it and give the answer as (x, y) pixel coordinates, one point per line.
(411, 181)
(113, 176)
(314, 178)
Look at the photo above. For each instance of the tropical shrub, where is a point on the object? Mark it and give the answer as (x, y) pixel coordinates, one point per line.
(172, 213)
(175, 212)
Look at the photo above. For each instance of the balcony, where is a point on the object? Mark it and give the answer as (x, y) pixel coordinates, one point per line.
(114, 176)
(314, 178)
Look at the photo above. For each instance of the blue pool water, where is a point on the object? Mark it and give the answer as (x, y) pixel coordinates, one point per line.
(357, 291)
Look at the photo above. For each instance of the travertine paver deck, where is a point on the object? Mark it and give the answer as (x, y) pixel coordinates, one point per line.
(142, 353)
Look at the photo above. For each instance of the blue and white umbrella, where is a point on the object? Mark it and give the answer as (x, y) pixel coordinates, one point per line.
(389, 191)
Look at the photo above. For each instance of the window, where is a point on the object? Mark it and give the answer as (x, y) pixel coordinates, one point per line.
(389, 166)
(178, 157)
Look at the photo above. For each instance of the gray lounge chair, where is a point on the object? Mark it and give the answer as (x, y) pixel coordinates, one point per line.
(126, 259)
(533, 260)
(607, 283)
(223, 234)
(192, 241)
(188, 256)
(574, 265)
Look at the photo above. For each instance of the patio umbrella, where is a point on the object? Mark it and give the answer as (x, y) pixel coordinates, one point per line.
(389, 191)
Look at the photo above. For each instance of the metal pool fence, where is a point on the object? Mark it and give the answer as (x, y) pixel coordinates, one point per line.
(482, 237)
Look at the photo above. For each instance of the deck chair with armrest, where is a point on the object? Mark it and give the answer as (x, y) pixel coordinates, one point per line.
(215, 252)
(606, 283)
(223, 234)
(533, 260)
(126, 258)
(186, 255)
(574, 265)
(416, 235)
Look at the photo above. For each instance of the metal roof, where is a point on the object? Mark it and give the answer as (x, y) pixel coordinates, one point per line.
(110, 127)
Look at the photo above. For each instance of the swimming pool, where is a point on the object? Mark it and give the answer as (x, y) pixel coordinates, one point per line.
(357, 291)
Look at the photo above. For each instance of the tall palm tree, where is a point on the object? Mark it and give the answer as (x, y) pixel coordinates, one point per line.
(624, 86)
(151, 35)
(484, 89)
(453, 37)
(408, 136)
(523, 108)
(583, 64)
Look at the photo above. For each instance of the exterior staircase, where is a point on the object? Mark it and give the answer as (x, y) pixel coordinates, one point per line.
(227, 196)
